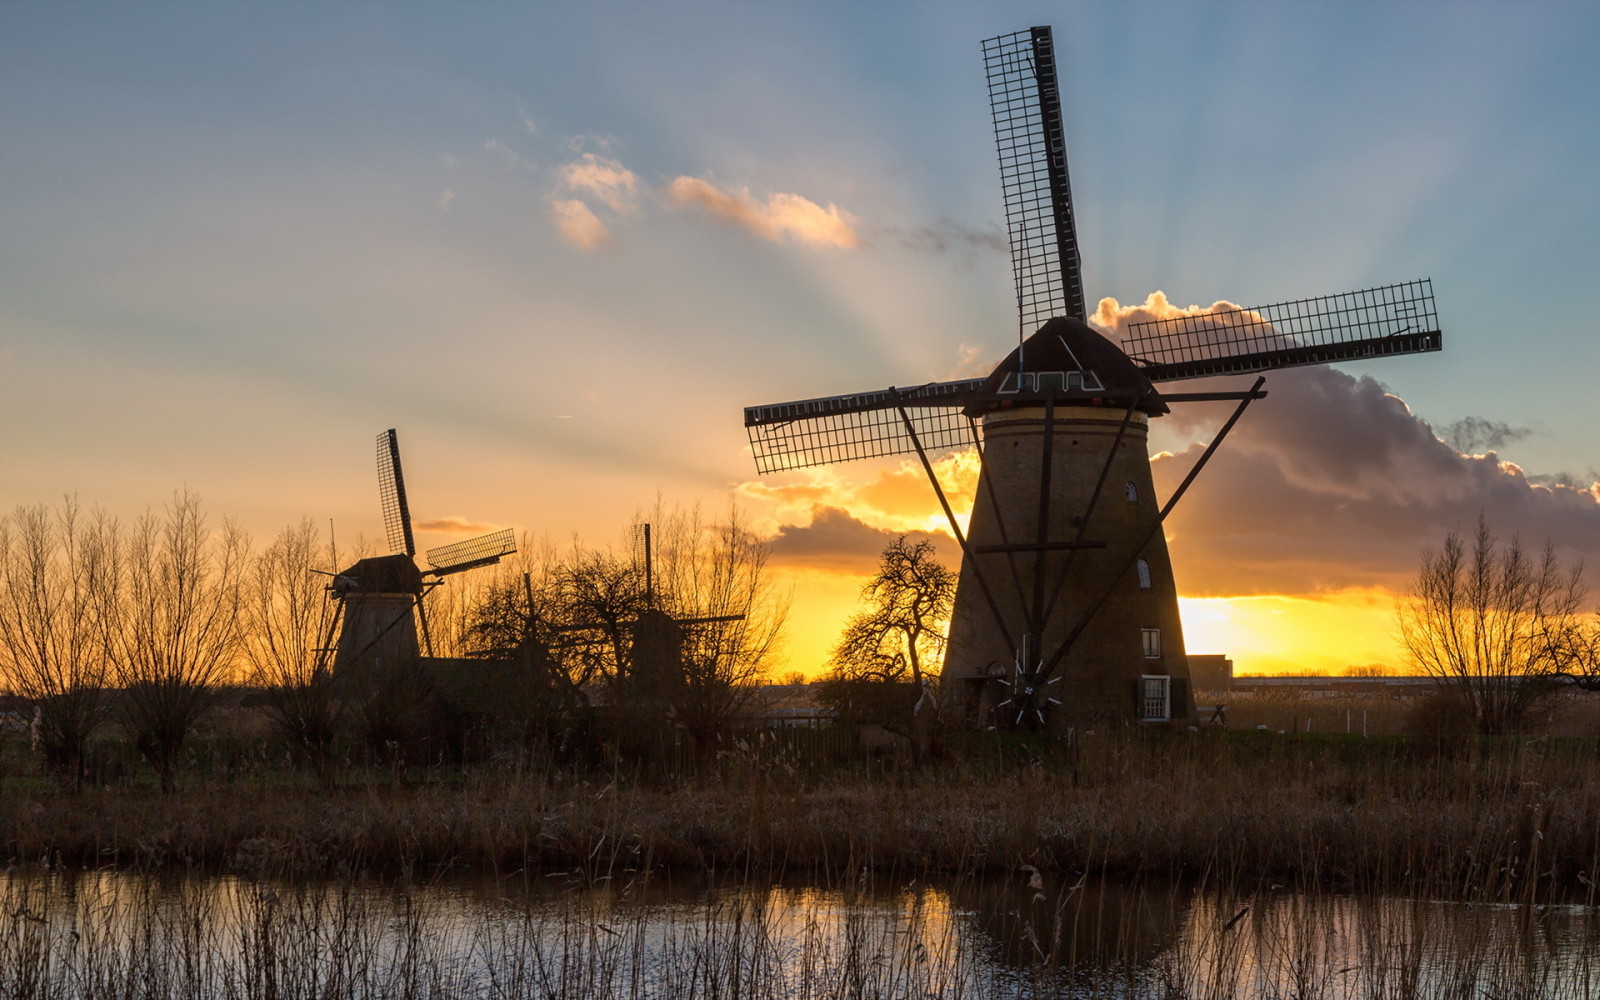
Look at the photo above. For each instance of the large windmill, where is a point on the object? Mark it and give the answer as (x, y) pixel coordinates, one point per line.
(380, 598)
(1066, 611)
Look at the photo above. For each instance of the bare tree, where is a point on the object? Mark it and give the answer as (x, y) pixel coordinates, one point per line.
(598, 598)
(890, 651)
(1481, 617)
(1575, 652)
(54, 569)
(289, 622)
(516, 619)
(712, 581)
(901, 634)
(176, 629)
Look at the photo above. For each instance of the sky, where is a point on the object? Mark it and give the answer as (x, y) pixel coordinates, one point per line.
(559, 246)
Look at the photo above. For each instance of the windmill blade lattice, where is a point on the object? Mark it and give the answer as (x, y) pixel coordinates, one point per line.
(1026, 104)
(474, 552)
(392, 495)
(811, 432)
(1372, 322)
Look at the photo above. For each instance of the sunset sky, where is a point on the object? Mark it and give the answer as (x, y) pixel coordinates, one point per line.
(559, 246)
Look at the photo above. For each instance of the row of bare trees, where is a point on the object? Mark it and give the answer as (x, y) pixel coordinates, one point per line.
(152, 608)
(142, 622)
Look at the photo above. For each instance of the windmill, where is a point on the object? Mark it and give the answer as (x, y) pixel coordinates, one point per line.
(378, 595)
(1066, 611)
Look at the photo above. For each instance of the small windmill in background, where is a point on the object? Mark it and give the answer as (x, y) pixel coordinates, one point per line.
(1066, 611)
(380, 599)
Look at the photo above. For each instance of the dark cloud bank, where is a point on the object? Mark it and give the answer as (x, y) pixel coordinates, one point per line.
(1330, 482)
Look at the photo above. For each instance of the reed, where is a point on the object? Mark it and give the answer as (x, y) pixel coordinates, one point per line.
(1517, 821)
(139, 935)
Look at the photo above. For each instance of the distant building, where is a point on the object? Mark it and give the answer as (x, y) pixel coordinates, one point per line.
(1210, 672)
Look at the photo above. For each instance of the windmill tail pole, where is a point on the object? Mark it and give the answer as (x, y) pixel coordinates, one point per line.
(961, 536)
(1088, 615)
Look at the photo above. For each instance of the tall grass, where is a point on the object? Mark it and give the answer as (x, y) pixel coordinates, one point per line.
(1514, 821)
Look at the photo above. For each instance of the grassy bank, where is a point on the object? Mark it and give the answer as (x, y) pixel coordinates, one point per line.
(1517, 820)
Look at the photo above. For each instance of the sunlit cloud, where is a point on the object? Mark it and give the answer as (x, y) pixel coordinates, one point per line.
(445, 200)
(781, 217)
(1114, 317)
(603, 178)
(579, 226)
(890, 496)
(454, 526)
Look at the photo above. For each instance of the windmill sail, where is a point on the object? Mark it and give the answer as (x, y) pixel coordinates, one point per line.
(392, 495)
(1026, 103)
(810, 432)
(1372, 322)
(472, 553)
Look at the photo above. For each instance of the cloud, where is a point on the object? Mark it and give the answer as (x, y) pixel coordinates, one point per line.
(454, 526)
(836, 541)
(946, 236)
(603, 178)
(1332, 482)
(891, 497)
(509, 156)
(445, 200)
(781, 217)
(1475, 435)
(578, 225)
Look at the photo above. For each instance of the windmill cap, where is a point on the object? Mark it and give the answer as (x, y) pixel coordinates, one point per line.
(1072, 361)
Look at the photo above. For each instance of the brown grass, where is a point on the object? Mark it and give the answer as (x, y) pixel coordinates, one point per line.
(1517, 820)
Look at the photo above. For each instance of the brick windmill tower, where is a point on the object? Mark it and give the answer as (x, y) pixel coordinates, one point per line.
(1067, 611)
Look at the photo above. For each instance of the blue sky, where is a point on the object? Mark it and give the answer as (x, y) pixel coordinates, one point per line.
(238, 240)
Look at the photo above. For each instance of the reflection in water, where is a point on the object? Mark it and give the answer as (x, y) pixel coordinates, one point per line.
(560, 935)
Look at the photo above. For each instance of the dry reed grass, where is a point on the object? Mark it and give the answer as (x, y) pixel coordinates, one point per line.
(1518, 820)
(116, 935)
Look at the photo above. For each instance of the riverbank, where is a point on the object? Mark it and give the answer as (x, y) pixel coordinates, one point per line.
(1513, 820)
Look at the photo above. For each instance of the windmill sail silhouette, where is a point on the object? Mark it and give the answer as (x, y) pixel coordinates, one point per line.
(1066, 611)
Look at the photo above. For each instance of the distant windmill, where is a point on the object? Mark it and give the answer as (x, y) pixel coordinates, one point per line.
(1066, 610)
(381, 597)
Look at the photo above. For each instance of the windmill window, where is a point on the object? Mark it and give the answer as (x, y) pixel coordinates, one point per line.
(1131, 491)
(1143, 569)
(1051, 380)
(1152, 643)
(1155, 697)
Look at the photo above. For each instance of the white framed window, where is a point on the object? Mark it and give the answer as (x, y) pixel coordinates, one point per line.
(1017, 382)
(1051, 380)
(1152, 643)
(1155, 697)
(1143, 569)
(1131, 491)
